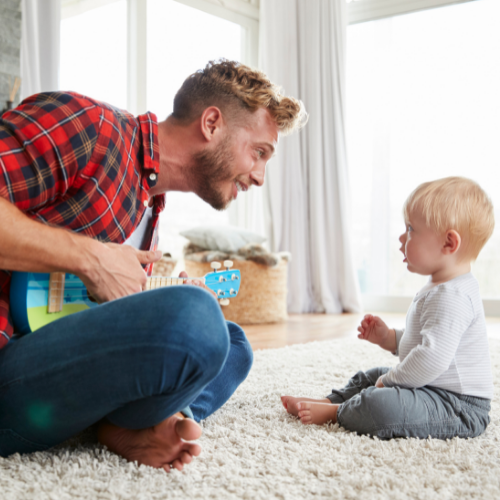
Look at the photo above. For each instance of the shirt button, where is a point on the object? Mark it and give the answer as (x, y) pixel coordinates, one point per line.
(152, 177)
(146, 203)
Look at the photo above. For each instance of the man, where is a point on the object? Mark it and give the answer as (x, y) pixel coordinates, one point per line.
(78, 179)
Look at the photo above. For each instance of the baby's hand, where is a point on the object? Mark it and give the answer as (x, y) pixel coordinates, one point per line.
(373, 329)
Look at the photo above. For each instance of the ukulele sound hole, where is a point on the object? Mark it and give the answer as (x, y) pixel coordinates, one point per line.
(91, 298)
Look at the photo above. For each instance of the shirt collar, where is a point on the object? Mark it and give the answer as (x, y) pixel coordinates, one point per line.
(149, 130)
(151, 157)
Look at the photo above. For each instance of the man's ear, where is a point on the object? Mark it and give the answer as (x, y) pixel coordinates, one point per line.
(452, 242)
(211, 122)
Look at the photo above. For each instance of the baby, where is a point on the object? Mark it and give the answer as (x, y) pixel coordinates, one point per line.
(443, 385)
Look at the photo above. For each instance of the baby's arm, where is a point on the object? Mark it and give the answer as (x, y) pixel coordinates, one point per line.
(445, 316)
(374, 330)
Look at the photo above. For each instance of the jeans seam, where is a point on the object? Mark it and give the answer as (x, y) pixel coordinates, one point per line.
(105, 352)
(18, 436)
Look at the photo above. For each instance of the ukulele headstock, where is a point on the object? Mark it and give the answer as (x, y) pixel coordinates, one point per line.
(226, 284)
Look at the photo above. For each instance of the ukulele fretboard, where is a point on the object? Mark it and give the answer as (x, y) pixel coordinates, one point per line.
(56, 292)
(160, 281)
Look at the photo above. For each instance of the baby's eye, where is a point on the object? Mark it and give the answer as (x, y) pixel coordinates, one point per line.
(409, 229)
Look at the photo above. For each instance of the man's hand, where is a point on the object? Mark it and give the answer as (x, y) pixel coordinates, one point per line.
(117, 271)
(374, 330)
(199, 283)
(379, 383)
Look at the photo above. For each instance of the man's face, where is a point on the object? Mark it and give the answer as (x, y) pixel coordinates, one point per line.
(236, 161)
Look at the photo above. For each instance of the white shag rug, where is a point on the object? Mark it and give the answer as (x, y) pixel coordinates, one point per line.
(253, 450)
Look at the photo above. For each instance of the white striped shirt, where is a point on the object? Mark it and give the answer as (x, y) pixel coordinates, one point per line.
(445, 344)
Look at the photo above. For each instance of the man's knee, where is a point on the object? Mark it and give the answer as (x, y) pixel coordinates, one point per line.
(241, 351)
(195, 325)
(206, 330)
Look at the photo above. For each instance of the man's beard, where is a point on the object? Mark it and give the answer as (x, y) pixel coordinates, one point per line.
(209, 170)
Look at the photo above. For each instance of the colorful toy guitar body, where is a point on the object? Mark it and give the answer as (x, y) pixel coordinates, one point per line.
(37, 299)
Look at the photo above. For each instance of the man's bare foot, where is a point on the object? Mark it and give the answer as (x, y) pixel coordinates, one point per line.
(290, 403)
(161, 446)
(317, 413)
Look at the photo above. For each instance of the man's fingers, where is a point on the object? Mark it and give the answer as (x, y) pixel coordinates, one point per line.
(148, 257)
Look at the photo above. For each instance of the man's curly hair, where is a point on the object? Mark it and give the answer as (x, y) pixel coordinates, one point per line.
(233, 87)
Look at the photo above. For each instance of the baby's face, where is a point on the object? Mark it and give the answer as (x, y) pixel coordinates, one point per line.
(421, 246)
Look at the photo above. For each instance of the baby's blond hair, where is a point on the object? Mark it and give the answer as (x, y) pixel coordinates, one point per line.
(455, 203)
(234, 87)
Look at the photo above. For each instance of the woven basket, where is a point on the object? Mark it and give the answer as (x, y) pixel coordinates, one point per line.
(262, 295)
(164, 267)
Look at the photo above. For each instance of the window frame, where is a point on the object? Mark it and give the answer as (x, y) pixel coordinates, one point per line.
(361, 11)
(242, 12)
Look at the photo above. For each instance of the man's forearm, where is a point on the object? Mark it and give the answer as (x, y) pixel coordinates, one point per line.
(28, 245)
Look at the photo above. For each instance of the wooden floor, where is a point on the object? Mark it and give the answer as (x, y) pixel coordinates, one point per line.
(302, 328)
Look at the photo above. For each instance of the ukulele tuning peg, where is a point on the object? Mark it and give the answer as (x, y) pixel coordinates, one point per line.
(215, 266)
(224, 302)
(228, 264)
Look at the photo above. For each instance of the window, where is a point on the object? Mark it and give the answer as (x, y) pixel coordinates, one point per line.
(94, 53)
(422, 103)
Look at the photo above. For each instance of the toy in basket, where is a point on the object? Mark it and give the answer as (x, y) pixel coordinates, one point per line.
(37, 299)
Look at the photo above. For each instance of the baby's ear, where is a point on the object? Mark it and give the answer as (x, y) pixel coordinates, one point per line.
(452, 243)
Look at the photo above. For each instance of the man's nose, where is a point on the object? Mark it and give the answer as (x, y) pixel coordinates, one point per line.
(258, 174)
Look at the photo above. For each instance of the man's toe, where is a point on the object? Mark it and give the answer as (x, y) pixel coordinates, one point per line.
(187, 429)
(177, 464)
(186, 457)
(193, 449)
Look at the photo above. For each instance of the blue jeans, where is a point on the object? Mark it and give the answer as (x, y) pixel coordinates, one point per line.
(393, 412)
(135, 361)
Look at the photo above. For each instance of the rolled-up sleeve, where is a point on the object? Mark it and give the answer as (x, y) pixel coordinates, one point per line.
(45, 144)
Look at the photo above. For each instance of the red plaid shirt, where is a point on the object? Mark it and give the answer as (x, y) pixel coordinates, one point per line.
(75, 162)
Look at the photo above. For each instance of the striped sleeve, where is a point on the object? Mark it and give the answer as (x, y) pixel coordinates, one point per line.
(446, 315)
(399, 336)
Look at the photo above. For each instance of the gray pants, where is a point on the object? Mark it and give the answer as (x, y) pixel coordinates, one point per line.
(397, 412)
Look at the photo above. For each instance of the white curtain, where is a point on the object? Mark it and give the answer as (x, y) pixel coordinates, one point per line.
(40, 45)
(248, 211)
(302, 48)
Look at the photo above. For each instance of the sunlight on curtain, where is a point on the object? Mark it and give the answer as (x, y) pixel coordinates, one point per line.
(423, 103)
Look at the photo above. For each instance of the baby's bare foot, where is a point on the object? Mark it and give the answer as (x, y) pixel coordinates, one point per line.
(161, 446)
(290, 403)
(317, 413)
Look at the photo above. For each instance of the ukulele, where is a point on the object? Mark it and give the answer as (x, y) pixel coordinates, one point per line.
(37, 299)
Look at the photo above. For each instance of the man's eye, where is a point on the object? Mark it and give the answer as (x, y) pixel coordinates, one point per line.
(260, 153)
